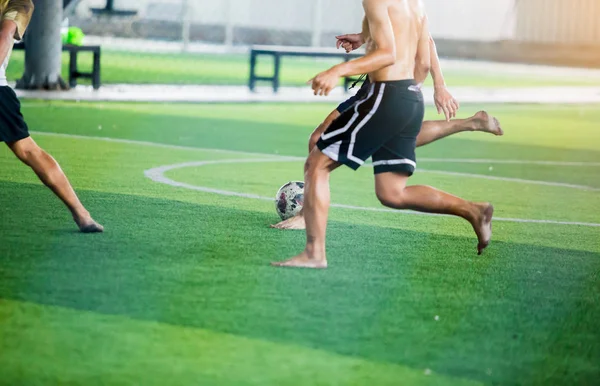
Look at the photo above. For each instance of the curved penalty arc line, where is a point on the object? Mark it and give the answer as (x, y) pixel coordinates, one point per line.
(158, 175)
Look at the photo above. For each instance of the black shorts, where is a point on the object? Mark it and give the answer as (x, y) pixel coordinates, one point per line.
(362, 92)
(12, 125)
(383, 125)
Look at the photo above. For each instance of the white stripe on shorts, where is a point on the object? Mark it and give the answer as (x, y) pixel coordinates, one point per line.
(326, 136)
(333, 151)
(396, 162)
(361, 124)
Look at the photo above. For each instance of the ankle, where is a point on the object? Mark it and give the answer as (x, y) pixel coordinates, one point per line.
(81, 214)
(315, 252)
(472, 213)
(471, 124)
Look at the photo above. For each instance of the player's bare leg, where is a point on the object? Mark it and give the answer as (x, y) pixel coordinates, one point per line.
(430, 131)
(434, 130)
(392, 192)
(297, 222)
(50, 173)
(316, 209)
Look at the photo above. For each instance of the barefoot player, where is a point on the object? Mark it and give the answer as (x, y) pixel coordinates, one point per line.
(14, 18)
(430, 131)
(383, 125)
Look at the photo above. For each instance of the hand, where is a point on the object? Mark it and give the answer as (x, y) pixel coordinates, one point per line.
(444, 101)
(323, 83)
(349, 42)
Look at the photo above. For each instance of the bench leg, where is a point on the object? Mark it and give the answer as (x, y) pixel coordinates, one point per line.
(276, 73)
(72, 69)
(252, 81)
(96, 71)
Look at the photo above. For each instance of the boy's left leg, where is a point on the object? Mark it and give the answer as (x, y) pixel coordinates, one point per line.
(317, 169)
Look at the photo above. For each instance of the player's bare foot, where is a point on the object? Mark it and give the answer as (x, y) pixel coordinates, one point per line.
(483, 226)
(88, 225)
(482, 121)
(303, 260)
(296, 222)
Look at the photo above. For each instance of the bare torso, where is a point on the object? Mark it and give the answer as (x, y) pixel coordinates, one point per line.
(407, 18)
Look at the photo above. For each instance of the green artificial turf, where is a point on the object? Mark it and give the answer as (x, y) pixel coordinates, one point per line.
(179, 291)
(216, 69)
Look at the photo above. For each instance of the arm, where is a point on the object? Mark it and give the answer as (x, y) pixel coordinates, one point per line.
(382, 33)
(423, 58)
(351, 42)
(436, 68)
(7, 32)
(13, 23)
(444, 101)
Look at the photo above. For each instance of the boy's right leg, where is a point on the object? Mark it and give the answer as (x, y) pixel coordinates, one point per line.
(430, 131)
(392, 192)
(50, 173)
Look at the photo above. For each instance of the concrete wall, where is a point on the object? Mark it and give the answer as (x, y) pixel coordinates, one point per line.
(273, 14)
(474, 20)
(559, 21)
(457, 19)
(535, 21)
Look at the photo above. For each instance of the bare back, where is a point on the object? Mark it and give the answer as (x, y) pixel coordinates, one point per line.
(408, 22)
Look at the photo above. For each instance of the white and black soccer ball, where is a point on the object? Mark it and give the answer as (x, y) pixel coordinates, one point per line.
(290, 199)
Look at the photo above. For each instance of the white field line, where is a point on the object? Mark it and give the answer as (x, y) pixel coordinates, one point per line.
(152, 174)
(158, 175)
(432, 160)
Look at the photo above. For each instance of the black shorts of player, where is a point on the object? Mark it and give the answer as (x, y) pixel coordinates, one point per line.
(12, 125)
(384, 125)
(362, 92)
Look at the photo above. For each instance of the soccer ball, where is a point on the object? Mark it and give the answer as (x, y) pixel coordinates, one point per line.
(290, 199)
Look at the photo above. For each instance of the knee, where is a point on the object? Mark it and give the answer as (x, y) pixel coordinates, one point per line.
(28, 154)
(391, 198)
(314, 138)
(309, 168)
(316, 167)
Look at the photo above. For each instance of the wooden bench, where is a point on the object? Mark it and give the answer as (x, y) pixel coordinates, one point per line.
(109, 10)
(74, 73)
(277, 52)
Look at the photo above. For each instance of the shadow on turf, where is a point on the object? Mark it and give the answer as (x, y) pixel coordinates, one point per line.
(521, 314)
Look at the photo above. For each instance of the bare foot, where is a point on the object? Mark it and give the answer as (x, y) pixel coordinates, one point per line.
(303, 260)
(483, 226)
(88, 225)
(482, 121)
(296, 222)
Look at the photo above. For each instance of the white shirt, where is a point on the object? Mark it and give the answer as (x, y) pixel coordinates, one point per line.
(3, 67)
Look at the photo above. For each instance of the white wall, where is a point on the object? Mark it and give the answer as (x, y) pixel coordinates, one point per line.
(547, 21)
(559, 21)
(459, 19)
(277, 14)
(480, 20)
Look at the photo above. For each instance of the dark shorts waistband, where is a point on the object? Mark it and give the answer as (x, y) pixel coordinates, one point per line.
(398, 83)
(401, 89)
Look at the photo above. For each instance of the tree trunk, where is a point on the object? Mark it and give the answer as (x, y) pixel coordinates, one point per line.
(43, 48)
